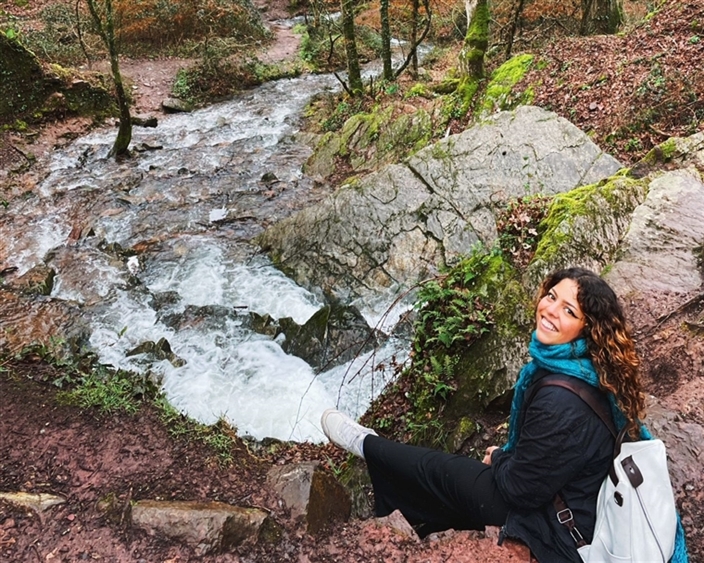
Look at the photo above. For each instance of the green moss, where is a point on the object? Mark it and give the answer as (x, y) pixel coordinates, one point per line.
(611, 200)
(478, 31)
(419, 91)
(499, 94)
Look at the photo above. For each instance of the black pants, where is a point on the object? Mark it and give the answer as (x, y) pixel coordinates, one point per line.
(431, 488)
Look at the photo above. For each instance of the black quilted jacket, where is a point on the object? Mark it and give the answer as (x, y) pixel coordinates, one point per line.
(562, 446)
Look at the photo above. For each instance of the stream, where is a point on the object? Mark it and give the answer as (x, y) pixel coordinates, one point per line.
(199, 188)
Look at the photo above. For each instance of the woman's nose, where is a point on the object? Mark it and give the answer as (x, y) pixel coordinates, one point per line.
(552, 308)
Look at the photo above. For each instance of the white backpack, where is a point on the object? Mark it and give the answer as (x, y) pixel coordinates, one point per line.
(636, 518)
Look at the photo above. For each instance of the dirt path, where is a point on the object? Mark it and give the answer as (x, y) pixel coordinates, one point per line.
(151, 81)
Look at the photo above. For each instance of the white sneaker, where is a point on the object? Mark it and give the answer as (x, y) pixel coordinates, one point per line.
(342, 431)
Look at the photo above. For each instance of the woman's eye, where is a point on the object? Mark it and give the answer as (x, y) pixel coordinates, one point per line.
(570, 312)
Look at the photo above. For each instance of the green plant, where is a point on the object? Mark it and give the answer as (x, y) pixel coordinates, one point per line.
(633, 144)
(451, 308)
(345, 109)
(106, 390)
(220, 437)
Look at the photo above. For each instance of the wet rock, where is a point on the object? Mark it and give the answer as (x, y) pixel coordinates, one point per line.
(334, 335)
(144, 120)
(208, 317)
(39, 280)
(160, 350)
(311, 494)
(144, 147)
(209, 527)
(174, 105)
(165, 299)
(264, 324)
(269, 178)
(43, 321)
(39, 502)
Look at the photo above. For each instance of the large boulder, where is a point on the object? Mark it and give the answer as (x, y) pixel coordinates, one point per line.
(396, 226)
(207, 526)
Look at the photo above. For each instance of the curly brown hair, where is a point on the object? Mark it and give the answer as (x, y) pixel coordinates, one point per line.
(608, 339)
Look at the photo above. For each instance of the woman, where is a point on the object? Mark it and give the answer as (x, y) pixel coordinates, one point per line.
(555, 444)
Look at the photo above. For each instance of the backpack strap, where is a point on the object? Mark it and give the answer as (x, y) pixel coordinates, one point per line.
(587, 393)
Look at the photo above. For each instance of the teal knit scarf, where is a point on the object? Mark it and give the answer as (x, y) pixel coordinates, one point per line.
(573, 359)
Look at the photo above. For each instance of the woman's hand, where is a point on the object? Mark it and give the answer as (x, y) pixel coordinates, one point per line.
(487, 457)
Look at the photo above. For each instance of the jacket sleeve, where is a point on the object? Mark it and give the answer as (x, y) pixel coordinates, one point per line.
(550, 451)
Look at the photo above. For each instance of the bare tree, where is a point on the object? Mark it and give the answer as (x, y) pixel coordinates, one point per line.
(513, 24)
(104, 19)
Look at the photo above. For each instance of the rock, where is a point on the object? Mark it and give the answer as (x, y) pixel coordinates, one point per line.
(662, 250)
(174, 105)
(398, 524)
(396, 226)
(684, 442)
(586, 226)
(160, 350)
(145, 120)
(27, 319)
(39, 280)
(24, 85)
(207, 526)
(311, 494)
(334, 335)
(368, 141)
(39, 502)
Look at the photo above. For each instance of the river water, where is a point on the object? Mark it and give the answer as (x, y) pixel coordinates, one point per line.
(199, 188)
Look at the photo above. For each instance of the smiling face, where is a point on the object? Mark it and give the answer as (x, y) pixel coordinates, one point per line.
(558, 317)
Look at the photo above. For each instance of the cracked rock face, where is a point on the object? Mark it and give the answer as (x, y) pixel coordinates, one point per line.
(396, 226)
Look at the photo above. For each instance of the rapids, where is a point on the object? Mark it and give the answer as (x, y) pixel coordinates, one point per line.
(159, 246)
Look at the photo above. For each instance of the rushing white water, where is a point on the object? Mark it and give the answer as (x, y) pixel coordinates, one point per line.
(230, 371)
(158, 247)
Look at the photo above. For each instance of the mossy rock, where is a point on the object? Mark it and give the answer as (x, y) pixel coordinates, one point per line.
(584, 227)
(33, 91)
(369, 140)
(500, 93)
(485, 368)
(670, 154)
(22, 77)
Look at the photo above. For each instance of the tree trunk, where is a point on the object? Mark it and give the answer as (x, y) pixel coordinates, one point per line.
(354, 73)
(106, 29)
(476, 41)
(386, 40)
(415, 15)
(601, 16)
(512, 28)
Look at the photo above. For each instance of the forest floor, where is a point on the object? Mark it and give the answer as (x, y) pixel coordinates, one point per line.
(86, 456)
